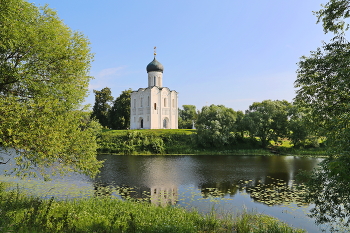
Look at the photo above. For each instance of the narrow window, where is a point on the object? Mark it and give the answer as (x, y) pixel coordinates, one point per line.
(154, 80)
(173, 103)
(155, 106)
(147, 100)
(141, 103)
(134, 103)
(164, 102)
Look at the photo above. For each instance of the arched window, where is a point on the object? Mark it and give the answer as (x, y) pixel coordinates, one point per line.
(155, 106)
(147, 100)
(154, 80)
(164, 102)
(141, 102)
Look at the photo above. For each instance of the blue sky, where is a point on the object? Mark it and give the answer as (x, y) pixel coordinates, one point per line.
(213, 52)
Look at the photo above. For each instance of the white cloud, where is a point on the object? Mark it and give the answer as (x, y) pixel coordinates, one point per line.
(109, 72)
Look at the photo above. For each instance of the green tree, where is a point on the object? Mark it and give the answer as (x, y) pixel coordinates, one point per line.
(44, 69)
(102, 106)
(119, 114)
(215, 125)
(268, 120)
(323, 80)
(300, 132)
(324, 87)
(239, 128)
(187, 117)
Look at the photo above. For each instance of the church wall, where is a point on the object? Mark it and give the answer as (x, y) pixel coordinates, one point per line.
(140, 109)
(155, 79)
(156, 108)
(153, 105)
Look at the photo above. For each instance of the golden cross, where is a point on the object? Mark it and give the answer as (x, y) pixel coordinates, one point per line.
(155, 51)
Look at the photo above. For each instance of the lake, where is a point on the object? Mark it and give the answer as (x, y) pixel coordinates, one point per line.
(228, 184)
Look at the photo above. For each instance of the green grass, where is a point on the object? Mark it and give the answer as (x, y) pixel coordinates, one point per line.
(157, 132)
(22, 213)
(183, 142)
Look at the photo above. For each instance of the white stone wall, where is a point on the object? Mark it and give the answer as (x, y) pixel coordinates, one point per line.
(162, 104)
(155, 78)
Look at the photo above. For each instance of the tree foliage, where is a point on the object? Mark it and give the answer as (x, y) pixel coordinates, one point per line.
(102, 106)
(323, 78)
(333, 16)
(268, 120)
(215, 125)
(44, 69)
(187, 116)
(324, 87)
(119, 114)
(300, 130)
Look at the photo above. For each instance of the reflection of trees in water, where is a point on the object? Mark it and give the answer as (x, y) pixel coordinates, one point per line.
(330, 192)
(279, 192)
(219, 189)
(268, 190)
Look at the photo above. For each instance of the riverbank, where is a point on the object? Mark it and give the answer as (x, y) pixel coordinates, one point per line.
(183, 142)
(22, 213)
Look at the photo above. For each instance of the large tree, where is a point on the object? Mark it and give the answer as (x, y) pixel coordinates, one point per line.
(215, 125)
(268, 120)
(44, 68)
(187, 116)
(324, 87)
(102, 106)
(323, 80)
(119, 114)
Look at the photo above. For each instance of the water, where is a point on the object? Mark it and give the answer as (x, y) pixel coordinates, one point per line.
(227, 184)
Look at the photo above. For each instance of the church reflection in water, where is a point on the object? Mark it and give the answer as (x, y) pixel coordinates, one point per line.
(157, 179)
(160, 196)
(164, 195)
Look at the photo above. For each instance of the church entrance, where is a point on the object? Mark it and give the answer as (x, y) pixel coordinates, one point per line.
(141, 123)
(166, 123)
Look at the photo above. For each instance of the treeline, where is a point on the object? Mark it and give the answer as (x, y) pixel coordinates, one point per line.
(112, 113)
(263, 122)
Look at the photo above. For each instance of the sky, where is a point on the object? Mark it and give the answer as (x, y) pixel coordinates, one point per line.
(224, 52)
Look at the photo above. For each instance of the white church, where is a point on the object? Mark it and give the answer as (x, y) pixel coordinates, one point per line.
(154, 107)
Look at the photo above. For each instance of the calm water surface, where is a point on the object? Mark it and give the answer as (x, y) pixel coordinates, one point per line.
(224, 183)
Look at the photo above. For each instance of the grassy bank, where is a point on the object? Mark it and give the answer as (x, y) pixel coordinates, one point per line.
(20, 213)
(182, 141)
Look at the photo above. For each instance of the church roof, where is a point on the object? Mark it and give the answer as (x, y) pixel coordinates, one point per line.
(154, 66)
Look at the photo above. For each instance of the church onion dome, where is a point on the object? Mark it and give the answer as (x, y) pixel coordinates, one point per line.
(155, 66)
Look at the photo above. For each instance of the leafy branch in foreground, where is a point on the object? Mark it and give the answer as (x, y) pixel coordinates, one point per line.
(324, 88)
(44, 69)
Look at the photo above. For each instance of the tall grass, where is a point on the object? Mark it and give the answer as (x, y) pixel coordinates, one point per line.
(22, 213)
